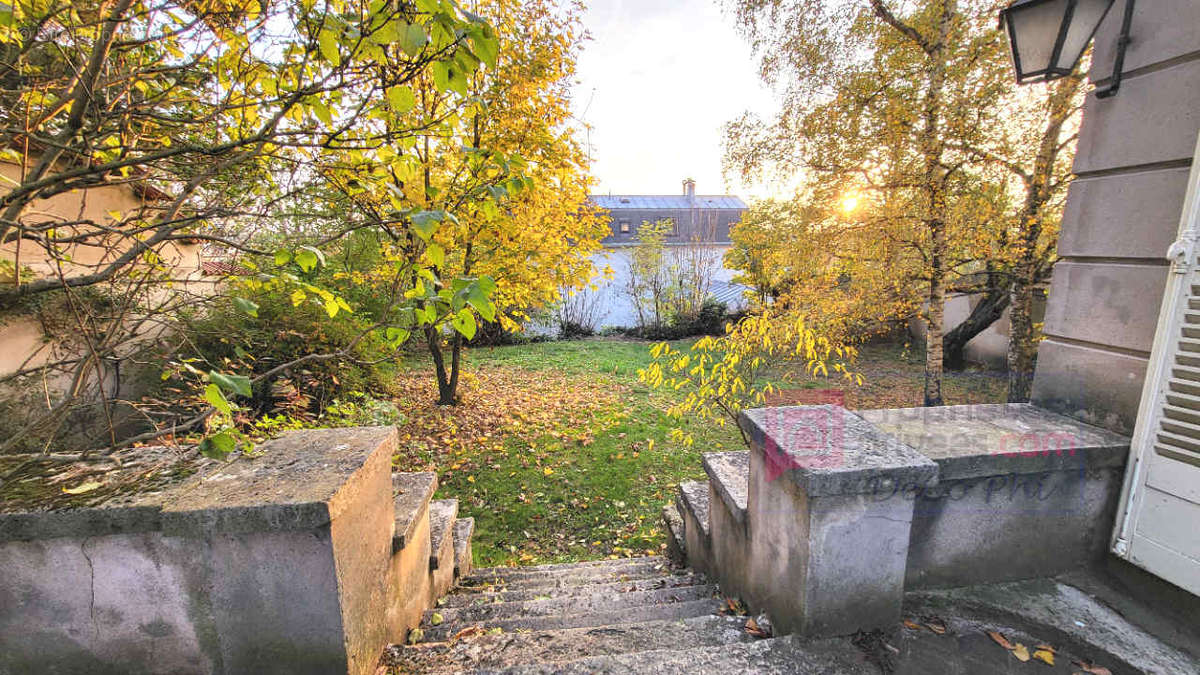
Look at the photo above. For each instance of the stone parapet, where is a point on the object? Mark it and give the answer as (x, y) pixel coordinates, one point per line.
(843, 511)
(277, 563)
(824, 557)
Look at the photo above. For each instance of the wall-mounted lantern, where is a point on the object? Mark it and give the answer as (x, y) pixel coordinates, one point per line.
(1047, 37)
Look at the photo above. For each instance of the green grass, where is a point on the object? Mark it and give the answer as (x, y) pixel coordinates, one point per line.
(619, 358)
(552, 497)
(601, 499)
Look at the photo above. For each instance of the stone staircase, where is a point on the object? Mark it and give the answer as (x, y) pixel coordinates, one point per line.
(637, 614)
(630, 615)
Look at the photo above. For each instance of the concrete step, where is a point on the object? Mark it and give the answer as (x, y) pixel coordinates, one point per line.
(473, 584)
(729, 474)
(586, 564)
(572, 604)
(663, 612)
(693, 502)
(481, 598)
(464, 529)
(775, 655)
(442, 513)
(515, 576)
(411, 495)
(493, 652)
(676, 541)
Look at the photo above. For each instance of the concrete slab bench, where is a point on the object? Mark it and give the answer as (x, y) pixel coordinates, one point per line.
(464, 529)
(442, 513)
(728, 478)
(692, 501)
(843, 511)
(1023, 492)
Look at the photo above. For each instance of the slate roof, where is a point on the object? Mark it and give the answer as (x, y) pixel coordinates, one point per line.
(616, 202)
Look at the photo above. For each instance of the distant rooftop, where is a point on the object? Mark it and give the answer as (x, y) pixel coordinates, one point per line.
(613, 202)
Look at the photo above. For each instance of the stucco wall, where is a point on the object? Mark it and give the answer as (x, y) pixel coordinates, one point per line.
(1122, 213)
(989, 348)
(22, 342)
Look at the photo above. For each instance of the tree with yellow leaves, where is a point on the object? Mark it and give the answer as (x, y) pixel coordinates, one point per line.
(901, 114)
(485, 205)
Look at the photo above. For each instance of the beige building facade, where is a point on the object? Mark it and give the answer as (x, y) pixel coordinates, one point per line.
(23, 343)
(1122, 213)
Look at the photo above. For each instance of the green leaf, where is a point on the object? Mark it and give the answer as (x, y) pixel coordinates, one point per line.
(212, 394)
(397, 336)
(464, 322)
(307, 259)
(436, 255)
(321, 111)
(386, 34)
(426, 222)
(413, 39)
(238, 384)
(282, 257)
(246, 306)
(401, 99)
(441, 75)
(487, 49)
(218, 446)
(478, 299)
(329, 46)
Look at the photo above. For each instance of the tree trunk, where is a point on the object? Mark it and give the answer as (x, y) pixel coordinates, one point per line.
(989, 310)
(1030, 268)
(1022, 349)
(446, 387)
(933, 148)
(934, 316)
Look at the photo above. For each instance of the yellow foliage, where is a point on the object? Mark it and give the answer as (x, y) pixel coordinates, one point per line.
(731, 373)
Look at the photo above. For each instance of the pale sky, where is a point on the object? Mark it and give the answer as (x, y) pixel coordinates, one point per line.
(662, 77)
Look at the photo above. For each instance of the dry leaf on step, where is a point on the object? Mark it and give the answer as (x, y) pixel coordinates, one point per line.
(1089, 667)
(1045, 656)
(80, 489)
(469, 631)
(753, 629)
(1001, 640)
(1021, 652)
(935, 624)
(912, 625)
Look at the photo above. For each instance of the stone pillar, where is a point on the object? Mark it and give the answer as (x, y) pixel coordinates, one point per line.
(829, 519)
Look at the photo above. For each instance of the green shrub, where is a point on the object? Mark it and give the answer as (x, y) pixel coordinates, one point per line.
(229, 340)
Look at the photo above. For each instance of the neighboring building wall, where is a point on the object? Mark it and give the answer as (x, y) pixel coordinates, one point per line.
(22, 342)
(1122, 213)
(989, 348)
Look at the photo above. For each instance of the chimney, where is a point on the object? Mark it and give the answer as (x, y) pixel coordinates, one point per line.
(689, 188)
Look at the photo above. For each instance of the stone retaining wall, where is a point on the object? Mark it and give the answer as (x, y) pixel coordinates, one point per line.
(273, 564)
(845, 510)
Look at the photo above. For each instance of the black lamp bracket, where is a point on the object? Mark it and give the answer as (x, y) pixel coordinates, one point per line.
(1119, 63)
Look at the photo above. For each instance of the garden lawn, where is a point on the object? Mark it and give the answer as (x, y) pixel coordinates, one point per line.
(560, 454)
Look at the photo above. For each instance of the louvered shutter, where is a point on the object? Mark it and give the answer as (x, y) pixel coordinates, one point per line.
(1158, 526)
